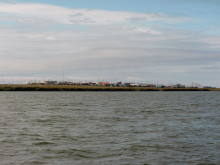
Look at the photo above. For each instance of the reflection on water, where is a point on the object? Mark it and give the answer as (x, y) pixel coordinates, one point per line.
(109, 128)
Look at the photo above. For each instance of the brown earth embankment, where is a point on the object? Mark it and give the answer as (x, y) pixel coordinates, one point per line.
(92, 88)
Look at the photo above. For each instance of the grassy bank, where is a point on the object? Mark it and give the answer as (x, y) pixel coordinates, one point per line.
(92, 88)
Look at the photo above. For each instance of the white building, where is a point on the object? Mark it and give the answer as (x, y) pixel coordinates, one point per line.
(48, 82)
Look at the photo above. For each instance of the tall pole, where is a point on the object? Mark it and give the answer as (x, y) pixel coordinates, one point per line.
(63, 75)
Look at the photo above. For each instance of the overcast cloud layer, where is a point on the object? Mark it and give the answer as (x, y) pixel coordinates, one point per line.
(39, 41)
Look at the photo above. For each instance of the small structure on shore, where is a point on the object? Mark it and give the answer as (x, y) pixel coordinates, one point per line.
(208, 87)
(161, 86)
(117, 83)
(128, 84)
(48, 82)
(61, 83)
(178, 86)
(105, 83)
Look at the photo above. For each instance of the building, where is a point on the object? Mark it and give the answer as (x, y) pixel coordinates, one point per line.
(92, 83)
(178, 86)
(84, 84)
(39, 83)
(76, 83)
(118, 83)
(148, 85)
(161, 86)
(208, 87)
(105, 83)
(48, 82)
(134, 85)
(128, 84)
(61, 83)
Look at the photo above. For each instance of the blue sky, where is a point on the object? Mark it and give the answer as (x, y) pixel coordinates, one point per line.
(206, 12)
(165, 41)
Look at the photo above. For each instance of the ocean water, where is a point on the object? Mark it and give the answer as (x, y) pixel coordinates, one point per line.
(65, 128)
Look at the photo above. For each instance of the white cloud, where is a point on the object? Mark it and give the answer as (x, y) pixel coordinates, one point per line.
(130, 51)
(56, 14)
(50, 38)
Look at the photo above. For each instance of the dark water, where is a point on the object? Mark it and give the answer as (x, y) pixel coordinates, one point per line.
(64, 128)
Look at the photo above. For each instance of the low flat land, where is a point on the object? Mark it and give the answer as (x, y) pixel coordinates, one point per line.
(92, 88)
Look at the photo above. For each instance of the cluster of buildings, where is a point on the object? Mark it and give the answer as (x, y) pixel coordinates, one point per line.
(108, 84)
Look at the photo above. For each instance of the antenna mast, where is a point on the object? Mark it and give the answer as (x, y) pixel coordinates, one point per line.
(63, 75)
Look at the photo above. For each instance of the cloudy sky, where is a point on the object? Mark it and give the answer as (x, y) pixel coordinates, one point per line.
(164, 41)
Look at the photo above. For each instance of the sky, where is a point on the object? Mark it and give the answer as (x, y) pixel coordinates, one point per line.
(139, 41)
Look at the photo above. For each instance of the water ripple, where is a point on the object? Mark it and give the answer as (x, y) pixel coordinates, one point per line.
(109, 128)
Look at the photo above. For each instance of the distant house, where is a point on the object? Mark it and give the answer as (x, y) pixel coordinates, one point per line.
(118, 83)
(92, 83)
(84, 83)
(105, 83)
(49, 82)
(208, 87)
(39, 83)
(61, 83)
(128, 84)
(134, 85)
(178, 86)
(149, 85)
(161, 86)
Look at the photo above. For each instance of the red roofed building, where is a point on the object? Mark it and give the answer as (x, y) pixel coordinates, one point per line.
(105, 83)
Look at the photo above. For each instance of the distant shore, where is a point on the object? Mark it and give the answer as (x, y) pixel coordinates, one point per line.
(92, 88)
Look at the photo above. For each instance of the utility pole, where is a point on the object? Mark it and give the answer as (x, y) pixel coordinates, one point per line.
(63, 75)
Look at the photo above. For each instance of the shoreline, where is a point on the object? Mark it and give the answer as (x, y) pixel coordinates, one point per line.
(92, 88)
